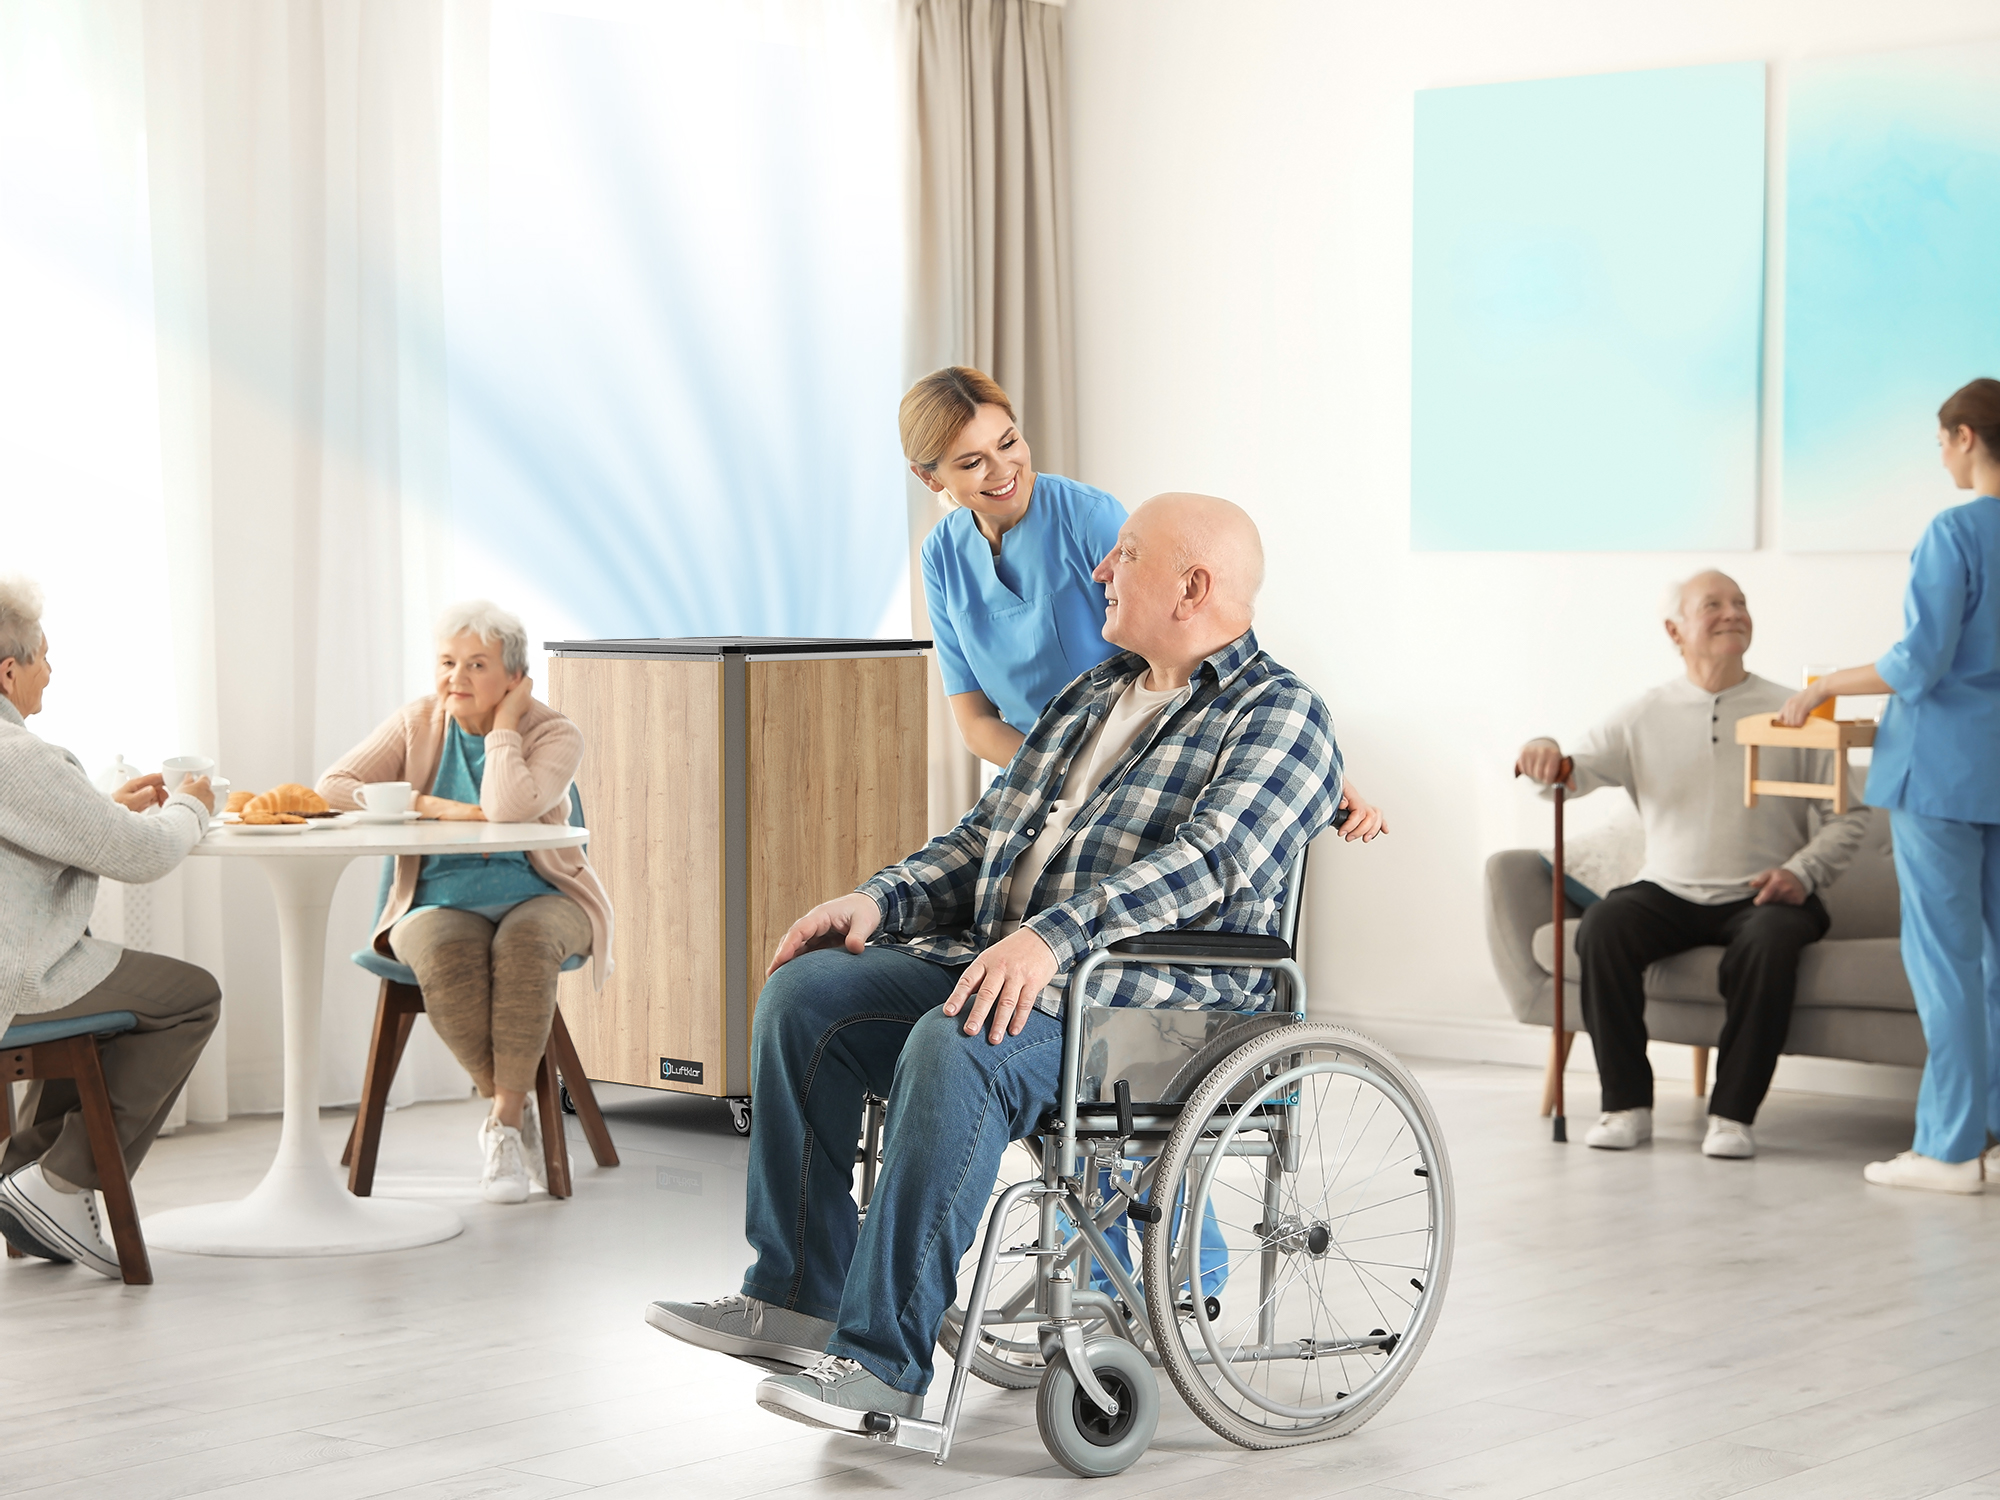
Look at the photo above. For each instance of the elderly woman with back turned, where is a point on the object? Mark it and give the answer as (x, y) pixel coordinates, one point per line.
(486, 934)
(58, 835)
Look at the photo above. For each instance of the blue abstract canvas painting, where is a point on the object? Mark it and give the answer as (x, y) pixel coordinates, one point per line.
(1892, 284)
(1588, 311)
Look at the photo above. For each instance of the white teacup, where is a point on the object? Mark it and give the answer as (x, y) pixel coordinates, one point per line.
(182, 766)
(385, 799)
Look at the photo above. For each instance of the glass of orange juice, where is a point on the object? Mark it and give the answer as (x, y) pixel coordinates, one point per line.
(1813, 674)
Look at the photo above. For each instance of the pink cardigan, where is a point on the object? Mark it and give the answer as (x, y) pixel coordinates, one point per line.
(528, 773)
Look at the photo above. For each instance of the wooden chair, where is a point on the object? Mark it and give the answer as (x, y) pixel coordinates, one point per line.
(395, 1013)
(50, 1050)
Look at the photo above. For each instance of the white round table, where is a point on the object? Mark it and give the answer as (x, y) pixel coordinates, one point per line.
(301, 1207)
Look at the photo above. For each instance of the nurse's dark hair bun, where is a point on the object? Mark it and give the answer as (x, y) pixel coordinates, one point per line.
(1975, 405)
(936, 409)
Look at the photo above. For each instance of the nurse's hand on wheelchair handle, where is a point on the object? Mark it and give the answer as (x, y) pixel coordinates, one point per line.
(1003, 983)
(845, 921)
(1357, 817)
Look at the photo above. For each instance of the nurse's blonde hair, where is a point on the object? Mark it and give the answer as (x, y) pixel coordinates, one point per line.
(936, 409)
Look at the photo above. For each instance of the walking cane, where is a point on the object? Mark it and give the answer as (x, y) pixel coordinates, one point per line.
(1559, 914)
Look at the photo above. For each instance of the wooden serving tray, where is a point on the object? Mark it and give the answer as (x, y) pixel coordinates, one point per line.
(1755, 731)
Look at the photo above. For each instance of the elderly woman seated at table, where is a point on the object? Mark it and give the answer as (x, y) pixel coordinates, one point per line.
(486, 934)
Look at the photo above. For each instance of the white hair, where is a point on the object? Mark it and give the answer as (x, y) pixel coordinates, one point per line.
(1673, 608)
(20, 619)
(488, 621)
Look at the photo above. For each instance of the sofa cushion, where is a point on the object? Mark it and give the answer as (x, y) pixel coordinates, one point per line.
(1858, 973)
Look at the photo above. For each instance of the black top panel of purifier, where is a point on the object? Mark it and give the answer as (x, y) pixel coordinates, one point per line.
(736, 645)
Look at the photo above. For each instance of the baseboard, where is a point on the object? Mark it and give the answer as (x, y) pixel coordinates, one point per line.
(1528, 1047)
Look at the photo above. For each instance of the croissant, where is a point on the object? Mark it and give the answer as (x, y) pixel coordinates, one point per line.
(289, 798)
(239, 800)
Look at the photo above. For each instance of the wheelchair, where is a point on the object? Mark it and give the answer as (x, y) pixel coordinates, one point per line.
(1295, 1202)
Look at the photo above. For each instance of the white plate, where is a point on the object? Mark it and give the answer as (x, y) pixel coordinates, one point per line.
(369, 817)
(270, 827)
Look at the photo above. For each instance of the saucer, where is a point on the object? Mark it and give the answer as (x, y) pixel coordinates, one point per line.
(363, 816)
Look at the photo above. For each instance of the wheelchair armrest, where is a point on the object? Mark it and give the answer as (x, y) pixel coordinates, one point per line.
(1219, 948)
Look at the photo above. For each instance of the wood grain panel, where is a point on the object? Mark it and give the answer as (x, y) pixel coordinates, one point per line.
(651, 785)
(838, 783)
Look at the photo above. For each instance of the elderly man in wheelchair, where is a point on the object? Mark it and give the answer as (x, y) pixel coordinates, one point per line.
(1162, 804)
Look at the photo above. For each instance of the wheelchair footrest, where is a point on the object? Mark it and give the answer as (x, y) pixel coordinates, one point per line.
(904, 1432)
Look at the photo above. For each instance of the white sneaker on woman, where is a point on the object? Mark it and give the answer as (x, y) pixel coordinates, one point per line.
(531, 1145)
(1909, 1169)
(1621, 1129)
(505, 1177)
(41, 1219)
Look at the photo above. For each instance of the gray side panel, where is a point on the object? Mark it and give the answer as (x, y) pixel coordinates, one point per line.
(735, 880)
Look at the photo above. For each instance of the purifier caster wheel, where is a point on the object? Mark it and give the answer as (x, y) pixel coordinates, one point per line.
(1079, 1434)
(739, 1115)
(568, 1104)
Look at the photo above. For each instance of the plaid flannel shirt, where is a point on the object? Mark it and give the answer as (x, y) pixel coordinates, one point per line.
(1195, 827)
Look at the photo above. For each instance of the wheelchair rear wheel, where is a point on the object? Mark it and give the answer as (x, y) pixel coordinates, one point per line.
(1320, 1160)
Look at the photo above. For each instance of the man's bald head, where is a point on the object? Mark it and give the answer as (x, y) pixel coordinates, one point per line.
(1207, 531)
(1182, 582)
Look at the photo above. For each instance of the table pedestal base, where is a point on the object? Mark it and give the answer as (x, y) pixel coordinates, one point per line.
(299, 1209)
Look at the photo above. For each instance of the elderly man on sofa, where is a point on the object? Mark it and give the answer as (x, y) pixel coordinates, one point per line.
(1716, 872)
(1171, 786)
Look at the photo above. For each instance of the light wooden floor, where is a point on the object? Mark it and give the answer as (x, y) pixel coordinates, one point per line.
(1653, 1324)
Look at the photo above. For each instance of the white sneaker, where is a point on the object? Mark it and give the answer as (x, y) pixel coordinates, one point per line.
(53, 1225)
(1989, 1164)
(505, 1177)
(1621, 1130)
(531, 1145)
(1908, 1169)
(1730, 1138)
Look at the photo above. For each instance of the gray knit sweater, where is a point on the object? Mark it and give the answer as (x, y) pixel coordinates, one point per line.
(58, 834)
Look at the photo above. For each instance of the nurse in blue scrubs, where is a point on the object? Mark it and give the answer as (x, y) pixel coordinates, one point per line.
(1937, 768)
(1014, 611)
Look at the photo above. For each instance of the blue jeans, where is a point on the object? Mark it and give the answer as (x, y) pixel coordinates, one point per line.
(1950, 876)
(830, 1027)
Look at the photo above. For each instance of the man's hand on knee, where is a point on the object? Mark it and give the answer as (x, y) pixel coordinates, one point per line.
(1778, 887)
(1002, 983)
(846, 920)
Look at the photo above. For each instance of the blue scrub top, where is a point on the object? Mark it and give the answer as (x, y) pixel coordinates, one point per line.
(1022, 626)
(1937, 752)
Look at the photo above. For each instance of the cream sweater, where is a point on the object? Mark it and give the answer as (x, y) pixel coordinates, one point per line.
(58, 835)
(1675, 752)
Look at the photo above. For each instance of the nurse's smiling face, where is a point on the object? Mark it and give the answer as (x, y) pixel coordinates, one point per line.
(987, 469)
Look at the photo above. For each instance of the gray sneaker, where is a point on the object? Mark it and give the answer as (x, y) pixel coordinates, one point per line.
(744, 1327)
(835, 1393)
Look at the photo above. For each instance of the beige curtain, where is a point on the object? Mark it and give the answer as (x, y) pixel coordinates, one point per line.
(989, 264)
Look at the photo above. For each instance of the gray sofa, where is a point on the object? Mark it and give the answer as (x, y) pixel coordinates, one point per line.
(1853, 999)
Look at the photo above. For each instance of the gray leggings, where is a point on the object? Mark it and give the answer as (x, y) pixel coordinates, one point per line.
(490, 988)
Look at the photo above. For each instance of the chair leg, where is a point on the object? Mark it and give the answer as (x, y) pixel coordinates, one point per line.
(555, 1143)
(581, 1094)
(1559, 1046)
(7, 1129)
(395, 1015)
(1700, 1072)
(112, 1179)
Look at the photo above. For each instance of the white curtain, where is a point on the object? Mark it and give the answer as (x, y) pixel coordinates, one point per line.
(243, 434)
(989, 259)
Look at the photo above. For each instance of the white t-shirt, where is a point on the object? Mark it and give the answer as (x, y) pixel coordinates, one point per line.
(1123, 724)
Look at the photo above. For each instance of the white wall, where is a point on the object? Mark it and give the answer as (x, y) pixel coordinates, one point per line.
(1242, 189)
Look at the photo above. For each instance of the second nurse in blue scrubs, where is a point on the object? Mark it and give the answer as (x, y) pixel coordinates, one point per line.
(1937, 768)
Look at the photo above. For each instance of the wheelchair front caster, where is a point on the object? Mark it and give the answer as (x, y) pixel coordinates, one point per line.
(1077, 1432)
(739, 1115)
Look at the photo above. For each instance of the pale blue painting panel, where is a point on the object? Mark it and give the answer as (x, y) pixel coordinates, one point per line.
(1588, 308)
(1892, 284)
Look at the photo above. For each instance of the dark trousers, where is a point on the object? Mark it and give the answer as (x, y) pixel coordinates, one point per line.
(1637, 925)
